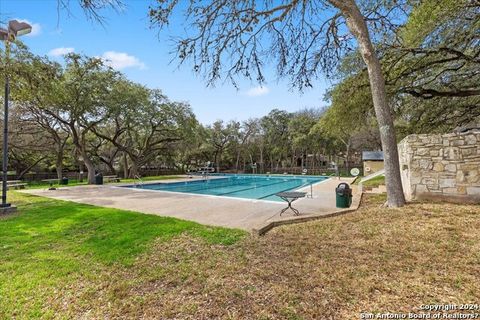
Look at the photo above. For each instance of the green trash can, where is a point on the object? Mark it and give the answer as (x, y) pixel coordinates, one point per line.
(64, 181)
(343, 195)
(98, 178)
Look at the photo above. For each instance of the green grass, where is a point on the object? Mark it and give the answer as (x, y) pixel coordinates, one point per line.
(50, 243)
(41, 184)
(67, 261)
(374, 182)
(75, 182)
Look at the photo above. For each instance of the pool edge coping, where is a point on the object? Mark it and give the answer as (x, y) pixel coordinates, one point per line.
(130, 186)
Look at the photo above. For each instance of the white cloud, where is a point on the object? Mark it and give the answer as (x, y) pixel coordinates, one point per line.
(121, 60)
(57, 52)
(36, 27)
(257, 91)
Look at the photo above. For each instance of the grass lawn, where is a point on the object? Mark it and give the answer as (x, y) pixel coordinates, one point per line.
(374, 182)
(51, 245)
(64, 260)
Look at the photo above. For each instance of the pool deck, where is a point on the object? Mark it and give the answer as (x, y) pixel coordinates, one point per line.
(251, 215)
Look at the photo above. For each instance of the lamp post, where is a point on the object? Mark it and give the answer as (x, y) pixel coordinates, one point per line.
(14, 30)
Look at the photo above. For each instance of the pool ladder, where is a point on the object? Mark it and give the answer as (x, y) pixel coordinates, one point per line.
(138, 180)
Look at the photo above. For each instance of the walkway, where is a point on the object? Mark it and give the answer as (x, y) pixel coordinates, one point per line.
(251, 215)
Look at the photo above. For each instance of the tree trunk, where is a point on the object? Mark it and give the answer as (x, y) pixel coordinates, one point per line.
(357, 26)
(59, 163)
(294, 160)
(215, 159)
(111, 167)
(90, 168)
(261, 160)
(59, 169)
(133, 169)
(136, 163)
(347, 157)
(237, 162)
(125, 165)
(314, 158)
(27, 169)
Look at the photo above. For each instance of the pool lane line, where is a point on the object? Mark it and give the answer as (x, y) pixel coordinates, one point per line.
(295, 188)
(206, 186)
(213, 185)
(215, 178)
(203, 185)
(266, 185)
(198, 195)
(269, 195)
(233, 185)
(240, 184)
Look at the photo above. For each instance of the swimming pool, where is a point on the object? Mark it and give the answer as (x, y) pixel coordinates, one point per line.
(259, 187)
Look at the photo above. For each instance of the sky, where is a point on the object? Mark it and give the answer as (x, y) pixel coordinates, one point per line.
(129, 45)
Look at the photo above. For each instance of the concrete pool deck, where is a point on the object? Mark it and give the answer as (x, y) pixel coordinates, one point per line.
(251, 215)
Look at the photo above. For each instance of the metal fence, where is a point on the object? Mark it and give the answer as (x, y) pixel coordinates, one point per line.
(75, 175)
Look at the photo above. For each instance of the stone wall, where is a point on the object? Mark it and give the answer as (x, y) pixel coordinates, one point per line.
(444, 167)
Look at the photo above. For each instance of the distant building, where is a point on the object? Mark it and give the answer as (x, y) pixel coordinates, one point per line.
(372, 162)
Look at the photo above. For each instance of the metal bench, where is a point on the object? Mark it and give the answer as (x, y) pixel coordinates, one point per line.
(51, 183)
(111, 178)
(14, 181)
(16, 185)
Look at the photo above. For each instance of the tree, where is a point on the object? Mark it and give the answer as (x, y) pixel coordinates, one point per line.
(58, 133)
(143, 123)
(220, 136)
(299, 129)
(238, 37)
(30, 145)
(276, 140)
(433, 77)
(33, 77)
(77, 100)
(248, 129)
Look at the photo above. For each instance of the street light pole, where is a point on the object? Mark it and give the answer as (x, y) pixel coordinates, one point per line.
(5, 130)
(14, 30)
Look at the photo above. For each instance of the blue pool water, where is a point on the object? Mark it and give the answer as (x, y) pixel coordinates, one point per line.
(238, 186)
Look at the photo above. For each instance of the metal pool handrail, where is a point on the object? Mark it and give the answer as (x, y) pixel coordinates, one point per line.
(137, 180)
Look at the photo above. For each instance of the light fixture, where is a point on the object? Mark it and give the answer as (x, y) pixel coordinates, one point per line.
(3, 34)
(18, 28)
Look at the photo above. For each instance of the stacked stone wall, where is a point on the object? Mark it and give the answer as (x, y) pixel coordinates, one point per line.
(444, 167)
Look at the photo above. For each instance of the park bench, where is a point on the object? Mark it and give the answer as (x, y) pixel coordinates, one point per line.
(111, 178)
(15, 184)
(51, 183)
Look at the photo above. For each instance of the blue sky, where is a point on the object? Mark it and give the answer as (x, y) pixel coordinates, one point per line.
(144, 56)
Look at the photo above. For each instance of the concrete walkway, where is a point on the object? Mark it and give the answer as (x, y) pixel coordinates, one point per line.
(251, 215)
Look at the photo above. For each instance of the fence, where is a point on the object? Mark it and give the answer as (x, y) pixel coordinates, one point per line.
(75, 175)
(299, 170)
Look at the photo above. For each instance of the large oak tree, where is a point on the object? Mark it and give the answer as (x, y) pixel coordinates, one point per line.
(230, 38)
